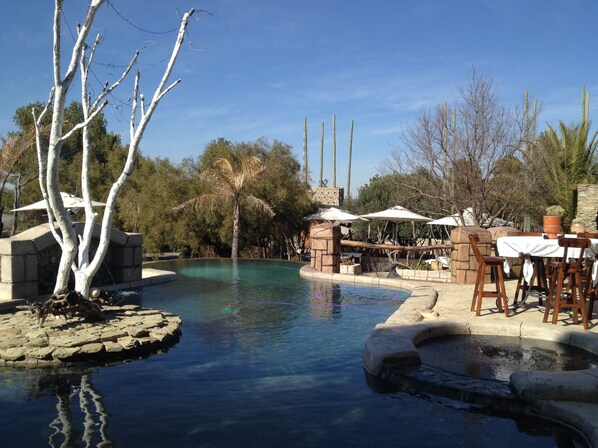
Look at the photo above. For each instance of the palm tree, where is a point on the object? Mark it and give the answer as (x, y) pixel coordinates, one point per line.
(570, 157)
(231, 186)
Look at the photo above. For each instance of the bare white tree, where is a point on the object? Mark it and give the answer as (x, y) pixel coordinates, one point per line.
(76, 250)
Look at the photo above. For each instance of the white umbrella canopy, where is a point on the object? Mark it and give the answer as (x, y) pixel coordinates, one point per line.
(333, 214)
(396, 214)
(455, 220)
(70, 202)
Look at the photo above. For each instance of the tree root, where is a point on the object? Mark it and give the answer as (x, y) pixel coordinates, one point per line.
(69, 305)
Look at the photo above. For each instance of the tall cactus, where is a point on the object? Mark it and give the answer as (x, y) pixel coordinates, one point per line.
(585, 105)
(322, 158)
(530, 120)
(305, 168)
(334, 150)
(350, 157)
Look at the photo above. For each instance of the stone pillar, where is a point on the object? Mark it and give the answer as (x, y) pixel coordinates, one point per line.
(497, 232)
(587, 205)
(464, 266)
(126, 260)
(325, 248)
(18, 269)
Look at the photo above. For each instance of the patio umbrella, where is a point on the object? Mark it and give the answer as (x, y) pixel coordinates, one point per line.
(455, 220)
(70, 202)
(333, 214)
(396, 214)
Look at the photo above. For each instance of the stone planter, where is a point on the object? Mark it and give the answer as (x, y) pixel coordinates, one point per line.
(552, 226)
(353, 269)
(578, 228)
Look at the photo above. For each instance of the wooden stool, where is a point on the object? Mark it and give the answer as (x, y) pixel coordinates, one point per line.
(590, 291)
(569, 267)
(496, 266)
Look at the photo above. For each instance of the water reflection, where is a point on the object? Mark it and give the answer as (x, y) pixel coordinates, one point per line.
(325, 300)
(497, 357)
(80, 415)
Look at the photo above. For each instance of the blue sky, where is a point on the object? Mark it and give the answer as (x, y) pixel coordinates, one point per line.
(257, 68)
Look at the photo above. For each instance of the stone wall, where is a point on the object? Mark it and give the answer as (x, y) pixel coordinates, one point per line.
(326, 247)
(29, 261)
(464, 266)
(328, 196)
(587, 205)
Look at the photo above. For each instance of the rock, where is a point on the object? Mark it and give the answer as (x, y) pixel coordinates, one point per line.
(13, 354)
(77, 339)
(92, 349)
(43, 353)
(130, 330)
(112, 347)
(13, 342)
(137, 332)
(65, 353)
(128, 343)
(112, 335)
(146, 341)
(37, 338)
(159, 334)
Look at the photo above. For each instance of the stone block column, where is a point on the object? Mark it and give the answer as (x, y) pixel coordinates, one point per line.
(587, 205)
(326, 247)
(464, 266)
(126, 259)
(18, 268)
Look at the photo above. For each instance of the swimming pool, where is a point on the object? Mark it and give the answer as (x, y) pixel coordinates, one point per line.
(266, 359)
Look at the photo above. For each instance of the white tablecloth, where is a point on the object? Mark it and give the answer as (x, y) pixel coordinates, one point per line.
(537, 246)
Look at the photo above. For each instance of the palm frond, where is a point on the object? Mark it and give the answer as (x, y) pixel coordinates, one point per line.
(260, 205)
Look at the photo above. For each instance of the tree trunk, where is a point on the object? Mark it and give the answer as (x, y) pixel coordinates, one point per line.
(83, 282)
(236, 230)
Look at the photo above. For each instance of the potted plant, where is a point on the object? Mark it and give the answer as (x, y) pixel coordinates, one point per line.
(578, 226)
(552, 221)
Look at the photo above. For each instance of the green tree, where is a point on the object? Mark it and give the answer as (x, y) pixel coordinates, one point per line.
(108, 155)
(13, 151)
(283, 187)
(143, 205)
(569, 155)
(230, 183)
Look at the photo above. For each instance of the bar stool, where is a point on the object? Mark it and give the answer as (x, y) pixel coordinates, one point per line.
(496, 267)
(569, 267)
(590, 290)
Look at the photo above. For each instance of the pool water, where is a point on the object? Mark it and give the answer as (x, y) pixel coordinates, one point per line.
(266, 359)
(497, 357)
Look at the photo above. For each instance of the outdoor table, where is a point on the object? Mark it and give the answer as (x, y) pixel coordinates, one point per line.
(537, 246)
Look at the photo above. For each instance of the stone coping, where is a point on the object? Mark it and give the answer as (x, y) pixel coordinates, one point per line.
(364, 280)
(568, 397)
(128, 331)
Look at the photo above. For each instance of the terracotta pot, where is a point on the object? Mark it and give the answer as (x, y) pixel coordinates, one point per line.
(552, 226)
